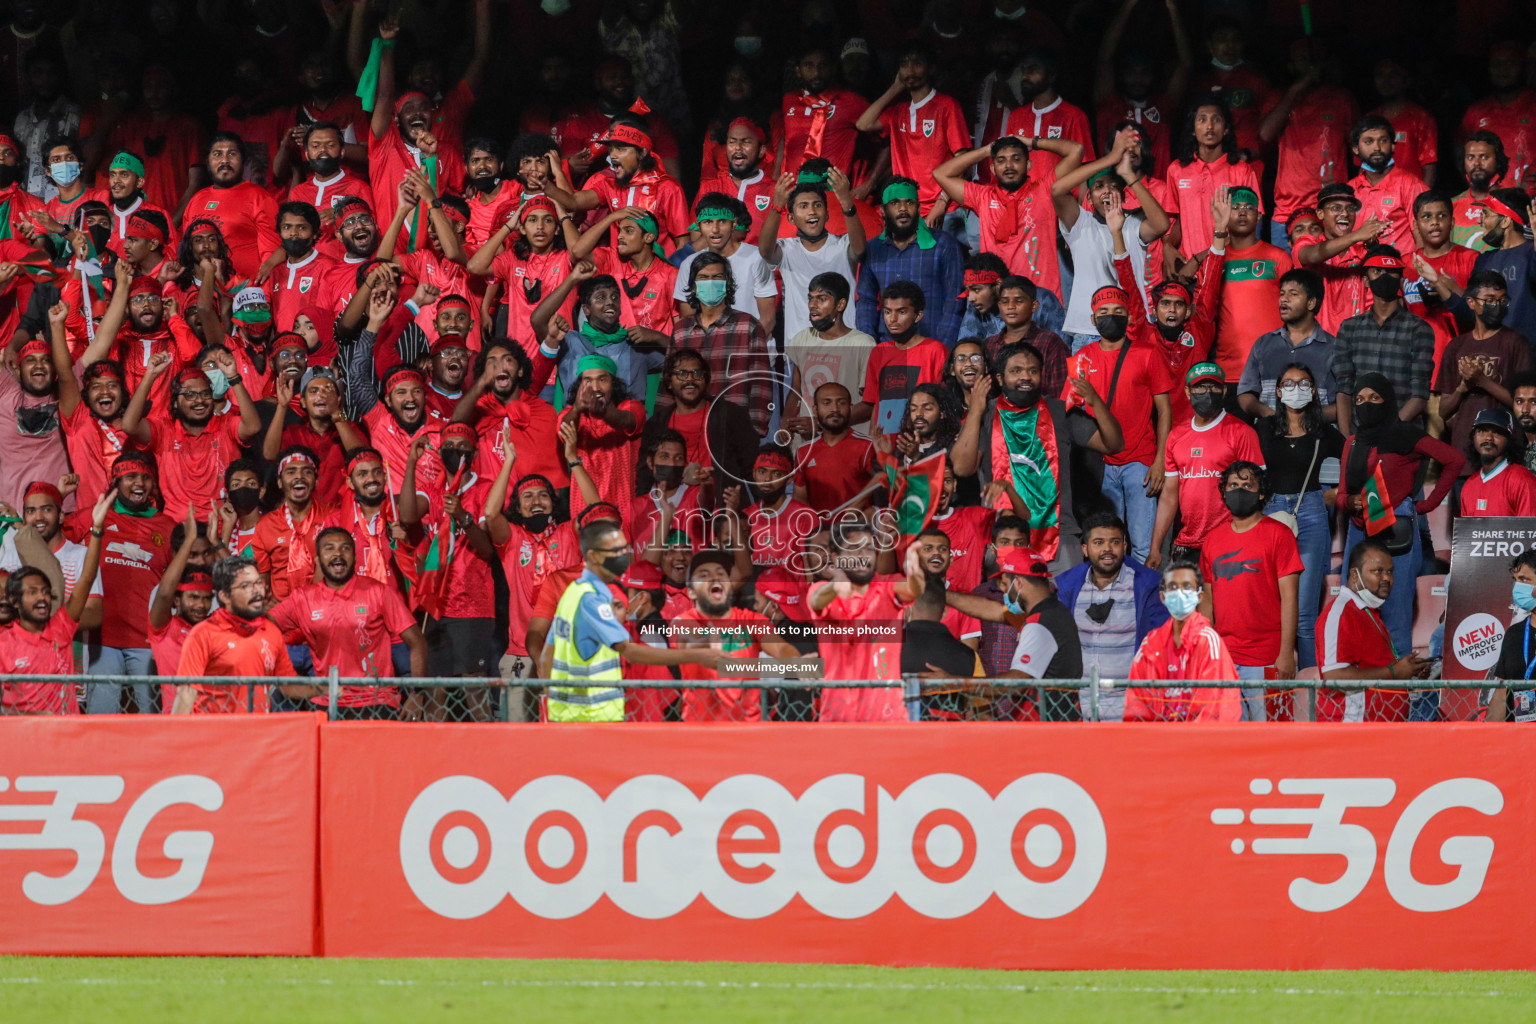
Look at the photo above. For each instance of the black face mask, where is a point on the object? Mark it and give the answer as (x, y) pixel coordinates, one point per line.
(536, 523)
(245, 499)
(297, 246)
(325, 166)
(1371, 415)
(1241, 503)
(1386, 287)
(483, 185)
(453, 458)
(1493, 313)
(1024, 398)
(9, 175)
(669, 476)
(1170, 332)
(904, 336)
(1111, 327)
(100, 236)
(1205, 403)
(824, 324)
(37, 420)
(617, 565)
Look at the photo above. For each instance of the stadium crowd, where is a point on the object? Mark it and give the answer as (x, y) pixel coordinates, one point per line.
(965, 339)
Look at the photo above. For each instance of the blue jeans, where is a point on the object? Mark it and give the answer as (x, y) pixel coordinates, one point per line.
(304, 665)
(400, 658)
(1125, 488)
(1052, 314)
(1076, 342)
(1278, 237)
(1315, 542)
(1253, 696)
(103, 698)
(1397, 611)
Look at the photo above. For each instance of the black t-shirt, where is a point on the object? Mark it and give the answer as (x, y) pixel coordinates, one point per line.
(1062, 647)
(1513, 664)
(924, 643)
(1286, 458)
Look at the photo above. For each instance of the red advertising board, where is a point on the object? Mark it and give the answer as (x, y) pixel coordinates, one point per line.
(1221, 846)
(135, 835)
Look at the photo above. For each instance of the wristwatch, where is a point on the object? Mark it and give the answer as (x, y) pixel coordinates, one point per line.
(232, 381)
(436, 204)
(850, 211)
(572, 463)
(97, 531)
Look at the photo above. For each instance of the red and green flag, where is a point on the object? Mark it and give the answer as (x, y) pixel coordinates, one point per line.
(37, 266)
(1376, 504)
(914, 491)
(435, 556)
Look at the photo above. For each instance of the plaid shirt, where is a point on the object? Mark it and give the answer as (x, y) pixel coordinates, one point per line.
(1053, 375)
(1401, 350)
(736, 351)
(939, 272)
(998, 639)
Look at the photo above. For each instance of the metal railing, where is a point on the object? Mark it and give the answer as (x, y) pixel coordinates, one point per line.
(1091, 699)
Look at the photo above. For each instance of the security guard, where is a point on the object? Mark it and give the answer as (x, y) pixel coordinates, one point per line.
(588, 638)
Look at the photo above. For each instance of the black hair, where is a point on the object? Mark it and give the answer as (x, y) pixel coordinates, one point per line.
(1431, 196)
(297, 208)
(179, 533)
(1148, 161)
(526, 145)
(1484, 278)
(300, 449)
(1369, 123)
(595, 531)
(1019, 282)
(20, 576)
(219, 137)
(1500, 158)
(951, 412)
(806, 188)
(678, 355)
(184, 248)
(226, 569)
(586, 288)
(1525, 559)
(951, 382)
(654, 439)
(1009, 142)
(1188, 146)
(323, 126)
(710, 259)
(1382, 249)
(1253, 468)
(831, 282)
(1523, 379)
(242, 466)
(156, 218)
(1310, 281)
(1017, 348)
(908, 290)
(518, 354)
(713, 199)
(1515, 199)
(648, 161)
(916, 47)
(1361, 549)
(898, 179)
(522, 248)
(486, 145)
(988, 261)
(1008, 521)
(1103, 521)
(459, 206)
(1311, 414)
(68, 141)
(330, 530)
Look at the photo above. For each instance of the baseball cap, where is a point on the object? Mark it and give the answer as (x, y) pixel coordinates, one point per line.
(315, 373)
(1017, 561)
(1205, 371)
(713, 556)
(1337, 190)
(1499, 419)
(855, 45)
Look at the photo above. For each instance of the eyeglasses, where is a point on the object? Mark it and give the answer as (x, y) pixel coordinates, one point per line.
(975, 358)
(688, 374)
(249, 585)
(197, 394)
(1207, 388)
(1294, 385)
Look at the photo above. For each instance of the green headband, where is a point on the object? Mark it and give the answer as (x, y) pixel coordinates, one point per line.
(1106, 172)
(647, 223)
(1242, 195)
(811, 178)
(898, 190)
(603, 363)
(677, 539)
(127, 162)
(712, 213)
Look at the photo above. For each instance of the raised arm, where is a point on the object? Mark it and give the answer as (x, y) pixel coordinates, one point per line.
(165, 596)
(384, 95)
(75, 606)
(768, 235)
(869, 121)
(551, 303)
(580, 478)
(69, 386)
(134, 423)
(496, 524)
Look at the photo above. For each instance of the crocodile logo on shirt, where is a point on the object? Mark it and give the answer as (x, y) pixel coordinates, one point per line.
(1231, 565)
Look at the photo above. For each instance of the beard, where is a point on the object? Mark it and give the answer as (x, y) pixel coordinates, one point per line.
(1480, 180)
(483, 185)
(714, 609)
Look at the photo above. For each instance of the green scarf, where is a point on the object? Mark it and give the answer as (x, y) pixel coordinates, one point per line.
(121, 509)
(368, 82)
(428, 164)
(600, 338)
(901, 190)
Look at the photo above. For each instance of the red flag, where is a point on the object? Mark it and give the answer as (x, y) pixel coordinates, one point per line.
(435, 556)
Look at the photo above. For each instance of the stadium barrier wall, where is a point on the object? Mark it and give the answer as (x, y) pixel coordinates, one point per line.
(146, 835)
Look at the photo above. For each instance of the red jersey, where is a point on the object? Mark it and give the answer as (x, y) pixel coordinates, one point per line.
(338, 284)
(1143, 375)
(609, 456)
(645, 516)
(755, 192)
(224, 644)
(1168, 199)
(389, 158)
(322, 194)
(1250, 303)
(779, 534)
(49, 653)
(394, 444)
(1196, 184)
(121, 216)
(1314, 148)
(165, 646)
(1509, 490)
(654, 191)
(297, 285)
(247, 215)
(923, 135)
(1345, 293)
(969, 529)
(370, 536)
(1197, 456)
(451, 278)
(285, 547)
(891, 374)
(1059, 120)
(836, 110)
(349, 628)
(1415, 136)
(1200, 654)
(1512, 123)
(1020, 227)
(1350, 634)
(1151, 119)
(645, 296)
(171, 146)
(860, 638)
(64, 210)
(483, 208)
(1422, 299)
(134, 351)
(135, 549)
(470, 593)
(192, 465)
(738, 633)
(524, 283)
(93, 444)
(1390, 200)
(528, 560)
(530, 422)
(1194, 341)
(1242, 569)
(827, 475)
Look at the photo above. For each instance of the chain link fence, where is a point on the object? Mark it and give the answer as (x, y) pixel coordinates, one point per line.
(913, 698)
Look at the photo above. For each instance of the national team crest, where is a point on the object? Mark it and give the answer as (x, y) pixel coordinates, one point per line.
(762, 202)
(304, 284)
(928, 129)
(1053, 131)
(213, 204)
(525, 554)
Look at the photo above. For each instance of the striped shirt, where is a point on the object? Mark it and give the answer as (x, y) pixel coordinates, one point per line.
(1108, 640)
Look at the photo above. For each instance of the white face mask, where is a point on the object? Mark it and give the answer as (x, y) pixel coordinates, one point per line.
(1367, 598)
(1298, 397)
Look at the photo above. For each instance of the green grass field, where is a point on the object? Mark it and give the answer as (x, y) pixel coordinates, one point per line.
(231, 991)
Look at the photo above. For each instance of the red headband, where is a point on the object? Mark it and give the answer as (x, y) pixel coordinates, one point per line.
(35, 347)
(454, 214)
(400, 372)
(627, 135)
(1178, 286)
(6, 140)
(290, 339)
(292, 457)
(536, 202)
(454, 302)
(1384, 261)
(46, 489)
(448, 341)
(129, 462)
(1110, 293)
(138, 227)
(191, 373)
(599, 510)
(1501, 208)
(345, 203)
(361, 457)
(773, 460)
(981, 277)
(144, 286)
(461, 430)
(195, 583)
(407, 97)
(750, 125)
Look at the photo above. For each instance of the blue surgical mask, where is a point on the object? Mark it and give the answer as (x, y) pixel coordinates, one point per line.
(1181, 604)
(711, 292)
(1012, 603)
(217, 381)
(748, 46)
(1525, 597)
(64, 173)
(555, 8)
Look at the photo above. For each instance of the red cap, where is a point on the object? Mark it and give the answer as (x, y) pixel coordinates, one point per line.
(143, 286)
(1110, 293)
(1017, 561)
(1385, 261)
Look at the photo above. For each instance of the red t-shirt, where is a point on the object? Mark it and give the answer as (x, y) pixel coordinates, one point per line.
(120, 218)
(924, 135)
(1345, 292)
(1197, 457)
(1242, 569)
(654, 191)
(49, 653)
(226, 645)
(1423, 301)
(830, 474)
(394, 444)
(1416, 138)
(322, 194)
(530, 422)
(839, 135)
(969, 529)
(609, 456)
(1248, 95)
(1143, 376)
(529, 559)
(1350, 634)
(428, 267)
(1512, 123)
(389, 158)
(892, 373)
(1509, 491)
(1196, 184)
(1030, 249)
(170, 147)
(247, 216)
(860, 638)
(694, 427)
(1390, 200)
(470, 593)
(349, 628)
(756, 192)
(64, 212)
(165, 645)
(483, 222)
(524, 284)
(645, 297)
(779, 534)
(285, 547)
(739, 634)
(1314, 148)
(370, 535)
(134, 553)
(192, 465)
(1250, 303)
(296, 285)
(92, 444)
(1060, 120)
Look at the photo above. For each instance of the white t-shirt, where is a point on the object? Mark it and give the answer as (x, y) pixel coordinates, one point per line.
(798, 265)
(1093, 265)
(754, 279)
(71, 558)
(820, 360)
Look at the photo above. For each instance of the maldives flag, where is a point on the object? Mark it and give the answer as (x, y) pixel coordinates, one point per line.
(914, 491)
(435, 556)
(1377, 504)
(38, 267)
